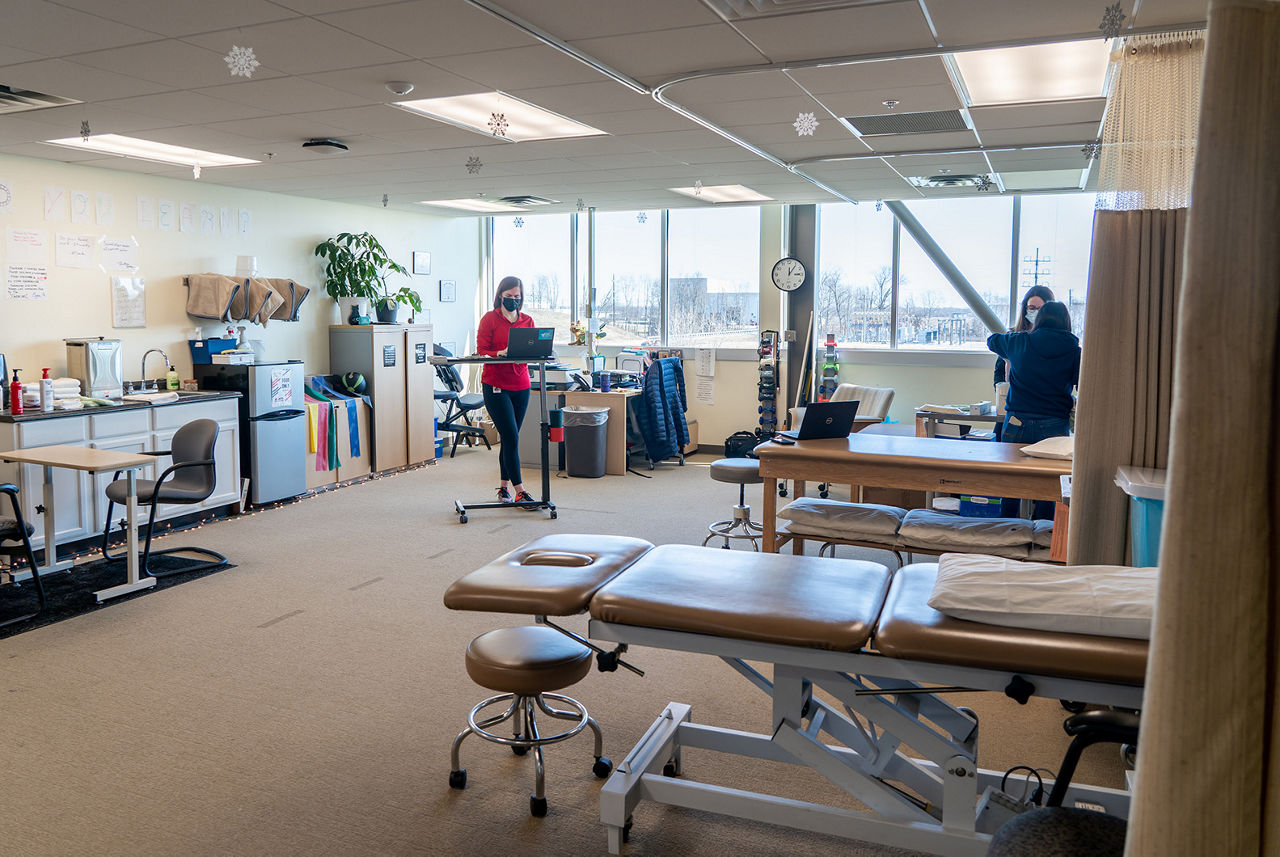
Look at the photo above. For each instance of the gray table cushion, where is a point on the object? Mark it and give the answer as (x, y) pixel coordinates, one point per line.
(836, 517)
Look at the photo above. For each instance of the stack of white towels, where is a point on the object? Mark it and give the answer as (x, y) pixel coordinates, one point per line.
(66, 395)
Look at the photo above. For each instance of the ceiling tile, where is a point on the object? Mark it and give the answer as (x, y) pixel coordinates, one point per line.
(667, 54)
(182, 108)
(937, 141)
(370, 82)
(283, 95)
(582, 19)
(841, 32)
(957, 24)
(176, 64)
(873, 76)
(10, 55)
(911, 99)
(1168, 12)
(737, 87)
(603, 96)
(182, 17)
(72, 80)
(52, 30)
(429, 28)
(1043, 134)
(637, 121)
(518, 68)
(300, 46)
(1031, 115)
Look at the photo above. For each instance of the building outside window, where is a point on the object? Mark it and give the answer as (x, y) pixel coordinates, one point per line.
(538, 253)
(713, 294)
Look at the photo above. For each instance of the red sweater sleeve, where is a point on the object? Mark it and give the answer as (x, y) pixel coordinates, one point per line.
(484, 336)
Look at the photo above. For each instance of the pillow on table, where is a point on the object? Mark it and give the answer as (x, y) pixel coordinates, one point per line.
(927, 529)
(1062, 448)
(835, 516)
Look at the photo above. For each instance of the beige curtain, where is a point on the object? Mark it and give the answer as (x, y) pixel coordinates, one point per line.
(1209, 756)
(1126, 372)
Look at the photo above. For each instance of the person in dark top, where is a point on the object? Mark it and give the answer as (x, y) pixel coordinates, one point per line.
(505, 385)
(1044, 366)
(1035, 298)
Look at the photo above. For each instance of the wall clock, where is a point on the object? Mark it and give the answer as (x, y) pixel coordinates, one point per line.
(789, 273)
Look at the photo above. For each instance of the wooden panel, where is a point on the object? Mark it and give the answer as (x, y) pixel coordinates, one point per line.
(352, 467)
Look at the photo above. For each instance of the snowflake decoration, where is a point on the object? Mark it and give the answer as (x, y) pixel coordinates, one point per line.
(195, 172)
(498, 124)
(84, 130)
(879, 205)
(641, 217)
(385, 200)
(805, 124)
(474, 165)
(1091, 150)
(241, 61)
(1112, 21)
(984, 183)
(582, 206)
(518, 222)
(697, 188)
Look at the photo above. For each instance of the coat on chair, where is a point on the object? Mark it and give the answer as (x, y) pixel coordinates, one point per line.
(660, 410)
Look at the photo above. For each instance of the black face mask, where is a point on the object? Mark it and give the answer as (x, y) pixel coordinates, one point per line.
(512, 304)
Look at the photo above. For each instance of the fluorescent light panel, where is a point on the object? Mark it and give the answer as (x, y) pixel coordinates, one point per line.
(1041, 179)
(723, 193)
(149, 150)
(1057, 72)
(525, 121)
(471, 205)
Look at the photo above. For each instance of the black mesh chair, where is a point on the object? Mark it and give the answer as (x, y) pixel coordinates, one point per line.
(15, 540)
(190, 479)
(459, 404)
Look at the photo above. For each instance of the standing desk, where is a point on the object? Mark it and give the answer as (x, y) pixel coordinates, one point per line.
(615, 454)
(89, 460)
(912, 463)
(545, 424)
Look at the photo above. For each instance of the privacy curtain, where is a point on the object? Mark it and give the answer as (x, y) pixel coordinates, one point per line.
(1209, 754)
(1126, 374)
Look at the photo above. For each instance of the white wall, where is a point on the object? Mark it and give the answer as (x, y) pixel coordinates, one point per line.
(934, 383)
(284, 233)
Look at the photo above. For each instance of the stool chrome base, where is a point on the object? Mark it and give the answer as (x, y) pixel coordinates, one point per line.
(727, 530)
(522, 712)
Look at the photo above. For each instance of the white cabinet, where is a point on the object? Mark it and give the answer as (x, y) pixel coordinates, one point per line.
(72, 498)
(136, 443)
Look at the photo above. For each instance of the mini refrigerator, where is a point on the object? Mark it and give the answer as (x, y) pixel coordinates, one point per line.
(273, 424)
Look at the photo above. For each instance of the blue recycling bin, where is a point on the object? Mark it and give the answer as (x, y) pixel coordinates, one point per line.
(1145, 487)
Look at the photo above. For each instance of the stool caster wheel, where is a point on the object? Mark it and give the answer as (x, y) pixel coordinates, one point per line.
(462, 519)
(603, 767)
(519, 751)
(538, 807)
(669, 770)
(824, 494)
(725, 546)
(1073, 707)
(458, 779)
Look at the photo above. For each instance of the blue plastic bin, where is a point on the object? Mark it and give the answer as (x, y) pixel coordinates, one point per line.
(202, 350)
(975, 506)
(1145, 487)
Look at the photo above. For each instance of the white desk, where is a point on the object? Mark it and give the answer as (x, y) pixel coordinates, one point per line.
(91, 461)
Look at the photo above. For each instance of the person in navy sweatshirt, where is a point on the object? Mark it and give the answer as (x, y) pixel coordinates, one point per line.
(1044, 367)
(505, 385)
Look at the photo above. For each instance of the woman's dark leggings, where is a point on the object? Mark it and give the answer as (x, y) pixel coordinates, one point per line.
(506, 408)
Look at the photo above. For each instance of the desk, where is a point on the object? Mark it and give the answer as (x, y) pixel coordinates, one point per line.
(913, 463)
(615, 454)
(927, 421)
(90, 461)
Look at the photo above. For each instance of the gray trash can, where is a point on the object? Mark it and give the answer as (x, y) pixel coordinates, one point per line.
(585, 440)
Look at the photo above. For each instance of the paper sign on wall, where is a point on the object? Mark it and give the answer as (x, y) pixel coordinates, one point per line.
(706, 362)
(106, 209)
(146, 212)
(167, 215)
(128, 302)
(246, 222)
(281, 388)
(80, 206)
(705, 391)
(73, 251)
(226, 221)
(208, 220)
(28, 257)
(187, 217)
(26, 282)
(6, 196)
(120, 254)
(55, 203)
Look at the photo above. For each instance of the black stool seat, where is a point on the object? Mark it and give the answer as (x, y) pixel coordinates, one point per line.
(736, 471)
(526, 660)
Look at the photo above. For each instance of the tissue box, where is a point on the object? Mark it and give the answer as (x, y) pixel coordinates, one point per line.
(232, 358)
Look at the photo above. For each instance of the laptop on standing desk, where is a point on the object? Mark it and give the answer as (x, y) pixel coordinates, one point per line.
(530, 342)
(824, 420)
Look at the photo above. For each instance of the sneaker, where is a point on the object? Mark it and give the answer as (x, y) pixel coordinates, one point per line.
(504, 496)
(525, 497)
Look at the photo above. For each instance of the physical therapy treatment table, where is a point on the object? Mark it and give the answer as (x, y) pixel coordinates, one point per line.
(867, 639)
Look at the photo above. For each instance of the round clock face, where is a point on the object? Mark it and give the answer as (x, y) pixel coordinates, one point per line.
(789, 274)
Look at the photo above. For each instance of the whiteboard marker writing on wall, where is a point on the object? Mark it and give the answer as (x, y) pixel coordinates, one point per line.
(246, 222)
(167, 215)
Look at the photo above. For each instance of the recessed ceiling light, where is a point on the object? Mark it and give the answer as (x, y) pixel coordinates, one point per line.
(399, 87)
(1056, 72)
(470, 205)
(520, 120)
(149, 150)
(723, 193)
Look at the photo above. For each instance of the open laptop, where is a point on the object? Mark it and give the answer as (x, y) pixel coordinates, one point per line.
(530, 341)
(825, 420)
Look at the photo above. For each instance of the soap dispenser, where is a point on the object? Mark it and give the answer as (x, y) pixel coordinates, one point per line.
(15, 395)
(46, 392)
(171, 378)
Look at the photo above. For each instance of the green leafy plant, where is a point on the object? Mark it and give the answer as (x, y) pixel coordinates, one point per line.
(357, 265)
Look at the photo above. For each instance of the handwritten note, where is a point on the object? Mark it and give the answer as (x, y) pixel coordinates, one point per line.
(26, 282)
(208, 220)
(120, 254)
(187, 217)
(146, 212)
(246, 222)
(226, 219)
(705, 391)
(80, 210)
(6, 196)
(128, 302)
(55, 203)
(106, 209)
(73, 251)
(168, 215)
(28, 247)
(706, 362)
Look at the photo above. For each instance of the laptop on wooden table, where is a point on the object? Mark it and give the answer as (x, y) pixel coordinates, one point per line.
(823, 420)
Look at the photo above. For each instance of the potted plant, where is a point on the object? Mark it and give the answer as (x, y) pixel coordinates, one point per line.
(356, 267)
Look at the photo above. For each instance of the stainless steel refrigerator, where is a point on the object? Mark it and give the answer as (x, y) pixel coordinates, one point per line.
(273, 424)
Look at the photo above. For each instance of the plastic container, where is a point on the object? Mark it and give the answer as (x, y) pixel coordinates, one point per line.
(203, 349)
(976, 506)
(585, 440)
(1145, 487)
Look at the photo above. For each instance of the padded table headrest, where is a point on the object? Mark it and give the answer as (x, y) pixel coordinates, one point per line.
(553, 575)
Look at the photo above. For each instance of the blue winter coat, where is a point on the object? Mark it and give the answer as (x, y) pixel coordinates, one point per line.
(660, 410)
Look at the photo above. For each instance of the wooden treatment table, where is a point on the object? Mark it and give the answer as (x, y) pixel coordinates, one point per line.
(911, 463)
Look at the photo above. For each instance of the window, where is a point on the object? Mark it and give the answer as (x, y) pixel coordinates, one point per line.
(714, 277)
(538, 253)
(1054, 247)
(628, 299)
(854, 298)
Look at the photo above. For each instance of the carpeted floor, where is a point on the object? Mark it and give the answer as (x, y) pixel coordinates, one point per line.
(303, 702)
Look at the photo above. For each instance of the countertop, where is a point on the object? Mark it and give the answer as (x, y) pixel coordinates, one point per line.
(185, 397)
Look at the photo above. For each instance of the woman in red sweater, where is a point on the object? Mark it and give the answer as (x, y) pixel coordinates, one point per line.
(506, 385)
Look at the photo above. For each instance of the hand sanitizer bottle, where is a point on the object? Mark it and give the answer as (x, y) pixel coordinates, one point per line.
(46, 392)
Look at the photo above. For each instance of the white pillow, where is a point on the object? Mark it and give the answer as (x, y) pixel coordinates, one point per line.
(1052, 447)
(812, 531)
(1042, 534)
(852, 518)
(1103, 600)
(927, 529)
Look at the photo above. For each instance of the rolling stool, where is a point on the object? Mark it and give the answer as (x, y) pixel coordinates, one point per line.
(741, 472)
(526, 663)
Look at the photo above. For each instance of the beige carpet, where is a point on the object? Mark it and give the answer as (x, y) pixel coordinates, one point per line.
(303, 703)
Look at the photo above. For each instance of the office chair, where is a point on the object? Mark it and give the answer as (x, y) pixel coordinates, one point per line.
(459, 404)
(1058, 831)
(16, 529)
(190, 479)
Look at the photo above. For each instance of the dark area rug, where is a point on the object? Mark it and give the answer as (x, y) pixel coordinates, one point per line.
(71, 593)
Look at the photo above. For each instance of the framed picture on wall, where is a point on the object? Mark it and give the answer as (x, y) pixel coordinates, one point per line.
(421, 262)
(448, 291)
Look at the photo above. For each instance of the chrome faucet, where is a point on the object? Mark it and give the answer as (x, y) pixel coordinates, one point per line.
(163, 356)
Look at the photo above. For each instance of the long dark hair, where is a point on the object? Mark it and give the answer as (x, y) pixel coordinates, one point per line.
(1044, 293)
(506, 284)
(1053, 316)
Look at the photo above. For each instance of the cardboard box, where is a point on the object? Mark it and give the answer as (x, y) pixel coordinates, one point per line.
(490, 431)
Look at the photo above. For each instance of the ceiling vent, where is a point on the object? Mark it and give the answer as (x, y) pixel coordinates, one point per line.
(526, 201)
(20, 100)
(946, 180)
(734, 10)
(906, 123)
(324, 146)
